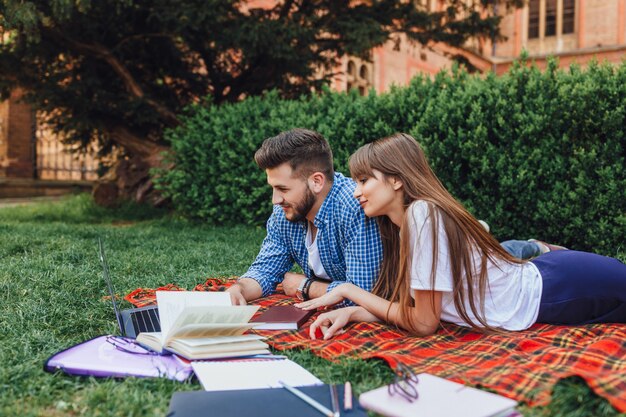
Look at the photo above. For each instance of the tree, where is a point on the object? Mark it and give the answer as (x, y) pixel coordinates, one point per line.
(119, 72)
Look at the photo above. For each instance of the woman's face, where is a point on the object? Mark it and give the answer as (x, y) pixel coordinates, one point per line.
(376, 194)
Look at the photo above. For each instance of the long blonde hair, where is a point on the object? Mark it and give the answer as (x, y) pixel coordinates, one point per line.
(400, 156)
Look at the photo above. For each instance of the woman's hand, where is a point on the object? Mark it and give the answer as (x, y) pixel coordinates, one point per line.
(332, 297)
(331, 323)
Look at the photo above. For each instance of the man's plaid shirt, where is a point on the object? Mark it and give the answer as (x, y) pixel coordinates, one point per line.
(348, 242)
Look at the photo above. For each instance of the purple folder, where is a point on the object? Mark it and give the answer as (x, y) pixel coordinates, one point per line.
(116, 356)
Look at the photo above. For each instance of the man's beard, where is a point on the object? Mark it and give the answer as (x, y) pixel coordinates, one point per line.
(302, 208)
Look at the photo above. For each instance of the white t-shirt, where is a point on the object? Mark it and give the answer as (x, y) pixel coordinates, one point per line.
(513, 292)
(315, 263)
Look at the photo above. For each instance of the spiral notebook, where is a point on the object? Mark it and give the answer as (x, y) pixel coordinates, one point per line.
(243, 374)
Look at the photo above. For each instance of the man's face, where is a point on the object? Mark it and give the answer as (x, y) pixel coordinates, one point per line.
(291, 192)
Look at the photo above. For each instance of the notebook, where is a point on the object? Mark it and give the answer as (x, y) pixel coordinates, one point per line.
(282, 318)
(438, 397)
(244, 374)
(134, 320)
(269, 402)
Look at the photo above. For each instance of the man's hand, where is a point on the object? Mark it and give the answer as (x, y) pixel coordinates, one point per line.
(244, 290)
(291, 283)
(236, 295)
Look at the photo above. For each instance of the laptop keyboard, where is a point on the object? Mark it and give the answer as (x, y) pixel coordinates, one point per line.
(146, 320)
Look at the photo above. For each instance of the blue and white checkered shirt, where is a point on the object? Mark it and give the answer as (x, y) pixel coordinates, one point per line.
(348, 242)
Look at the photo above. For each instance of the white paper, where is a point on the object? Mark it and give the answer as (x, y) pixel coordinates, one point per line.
(172, 303)
(251, 374)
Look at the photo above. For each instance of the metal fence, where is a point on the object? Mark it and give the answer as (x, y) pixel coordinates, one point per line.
(54, 159)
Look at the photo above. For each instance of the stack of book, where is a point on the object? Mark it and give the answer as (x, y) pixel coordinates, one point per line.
(203, 331)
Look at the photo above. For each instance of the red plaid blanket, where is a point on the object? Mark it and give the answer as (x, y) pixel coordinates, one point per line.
(524, 365)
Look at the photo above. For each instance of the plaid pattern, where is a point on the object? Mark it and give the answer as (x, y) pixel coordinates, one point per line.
(522, 365)
(349, 244)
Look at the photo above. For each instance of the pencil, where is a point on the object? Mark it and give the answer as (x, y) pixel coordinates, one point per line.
(319, 407)
(334, 400)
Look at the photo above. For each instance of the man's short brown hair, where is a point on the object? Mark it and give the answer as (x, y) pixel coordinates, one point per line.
(306, 152)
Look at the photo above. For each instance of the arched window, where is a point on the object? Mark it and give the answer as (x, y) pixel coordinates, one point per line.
(361, 79)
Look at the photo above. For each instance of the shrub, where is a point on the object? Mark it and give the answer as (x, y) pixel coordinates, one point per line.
(536, 154)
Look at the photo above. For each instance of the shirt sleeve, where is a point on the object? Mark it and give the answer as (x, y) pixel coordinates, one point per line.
(422, 250)
(273, 261)
(363, 252)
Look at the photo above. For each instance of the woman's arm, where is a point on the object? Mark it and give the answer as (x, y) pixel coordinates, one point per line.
(423, 320)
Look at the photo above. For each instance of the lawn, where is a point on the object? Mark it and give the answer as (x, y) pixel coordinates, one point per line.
(52, 295)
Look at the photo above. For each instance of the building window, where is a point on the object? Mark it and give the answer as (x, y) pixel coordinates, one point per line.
(360, 79)
(546, 16)
(569, 8)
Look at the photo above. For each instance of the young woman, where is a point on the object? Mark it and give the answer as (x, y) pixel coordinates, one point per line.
(440, 264)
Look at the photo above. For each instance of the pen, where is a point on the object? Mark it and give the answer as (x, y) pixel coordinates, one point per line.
(334, 400)
(319, 407)
(347, 396)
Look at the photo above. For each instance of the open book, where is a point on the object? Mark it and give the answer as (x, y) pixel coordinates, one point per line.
(203, 325)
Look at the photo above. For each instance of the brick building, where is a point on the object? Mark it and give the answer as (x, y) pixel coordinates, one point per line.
(573, 30)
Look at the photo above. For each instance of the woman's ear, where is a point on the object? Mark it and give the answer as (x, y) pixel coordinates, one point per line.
(396, 183)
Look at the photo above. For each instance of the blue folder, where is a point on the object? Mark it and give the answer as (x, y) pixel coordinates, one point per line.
(270, 402)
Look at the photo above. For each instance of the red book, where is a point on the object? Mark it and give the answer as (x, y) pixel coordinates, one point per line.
(282, 318)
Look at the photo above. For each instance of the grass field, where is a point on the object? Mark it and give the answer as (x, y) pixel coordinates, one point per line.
(52, 296)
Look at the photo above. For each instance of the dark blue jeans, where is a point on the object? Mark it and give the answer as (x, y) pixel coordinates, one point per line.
(521, 249)
(581, 288)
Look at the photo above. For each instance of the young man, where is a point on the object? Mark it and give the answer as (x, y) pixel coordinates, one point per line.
(316, 223)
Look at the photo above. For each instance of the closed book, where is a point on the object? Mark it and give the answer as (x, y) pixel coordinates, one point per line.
(438, 397)
(282, 318)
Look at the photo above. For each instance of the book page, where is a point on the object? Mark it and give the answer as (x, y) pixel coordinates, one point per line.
(192, 317)
(208, 341)
(251, 374)
(172, 303)
(208, 330)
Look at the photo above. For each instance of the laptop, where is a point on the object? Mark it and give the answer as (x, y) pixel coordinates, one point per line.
(134, 320)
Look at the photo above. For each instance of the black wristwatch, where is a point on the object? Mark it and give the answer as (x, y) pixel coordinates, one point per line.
(302, 293)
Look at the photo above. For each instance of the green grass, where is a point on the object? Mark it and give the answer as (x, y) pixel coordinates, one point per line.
(52, 296)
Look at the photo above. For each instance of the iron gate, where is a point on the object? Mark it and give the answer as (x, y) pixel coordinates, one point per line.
(54, 160)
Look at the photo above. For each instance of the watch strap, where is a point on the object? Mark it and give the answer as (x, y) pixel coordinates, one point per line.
(306, 288)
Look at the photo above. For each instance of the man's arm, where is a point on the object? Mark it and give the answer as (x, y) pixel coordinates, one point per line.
(292, 282)
(269, 267)
(243, 290)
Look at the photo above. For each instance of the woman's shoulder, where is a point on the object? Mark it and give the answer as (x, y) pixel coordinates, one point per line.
(419, 209)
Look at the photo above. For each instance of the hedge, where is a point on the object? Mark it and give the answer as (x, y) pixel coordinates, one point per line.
(537, 154)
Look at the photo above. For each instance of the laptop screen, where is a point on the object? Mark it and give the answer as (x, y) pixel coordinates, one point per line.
(107, 279)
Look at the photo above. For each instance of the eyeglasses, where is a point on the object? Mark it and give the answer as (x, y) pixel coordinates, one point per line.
(162, 367)
(404, 384)
(128, 345)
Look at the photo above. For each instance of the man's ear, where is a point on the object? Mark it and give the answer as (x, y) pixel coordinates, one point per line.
(316, 182)
(396, 183)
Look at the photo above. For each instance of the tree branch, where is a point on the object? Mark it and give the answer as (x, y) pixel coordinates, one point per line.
(127, 78)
